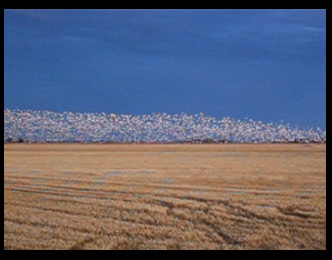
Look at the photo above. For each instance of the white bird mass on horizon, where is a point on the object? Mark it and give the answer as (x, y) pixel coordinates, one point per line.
(46, 126)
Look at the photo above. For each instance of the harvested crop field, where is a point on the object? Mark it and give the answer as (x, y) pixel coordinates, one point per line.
(188, 196)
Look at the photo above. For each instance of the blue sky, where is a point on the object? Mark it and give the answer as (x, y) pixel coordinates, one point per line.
(268, 65)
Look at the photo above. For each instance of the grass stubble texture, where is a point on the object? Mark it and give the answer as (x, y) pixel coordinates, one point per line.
(168, 196)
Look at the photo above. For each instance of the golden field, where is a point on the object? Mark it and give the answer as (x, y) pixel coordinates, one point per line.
(188, 196)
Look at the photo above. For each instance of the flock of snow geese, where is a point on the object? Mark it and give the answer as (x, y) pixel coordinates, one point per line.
(46, 126)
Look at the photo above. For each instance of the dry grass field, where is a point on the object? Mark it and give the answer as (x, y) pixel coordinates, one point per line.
(188, 196)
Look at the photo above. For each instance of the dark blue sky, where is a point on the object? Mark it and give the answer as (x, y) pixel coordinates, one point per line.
(263, 64)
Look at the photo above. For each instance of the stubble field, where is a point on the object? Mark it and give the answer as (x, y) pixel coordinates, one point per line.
(188, 196)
